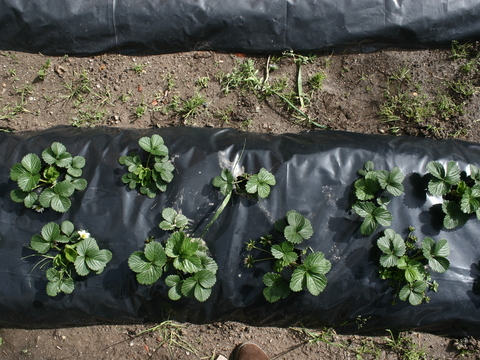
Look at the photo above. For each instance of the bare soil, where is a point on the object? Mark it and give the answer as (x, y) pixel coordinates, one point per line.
(423, 93)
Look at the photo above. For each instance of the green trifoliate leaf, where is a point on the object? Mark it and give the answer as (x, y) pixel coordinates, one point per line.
(60, 203)
(175, 284)
(224, 182)
(165, 169)
(46, 197)
(172, 220)
(79, 184)
(454, 216)
(365, 189)
(391, 181)
(199, 285)
(58, 282)
(51, 232)
(131, 162)
(30, 199)
(154, 145)
(413, 293)
(57, 154)
(155, 253)
(18, 195)
(475, 173)
(310, 274)
(392, 246)
(436, 254)
(207, 263)
(367, 167)
(27, 182)
(183, 250)
(39, 244)
(373, 216)
(444, 179)
(148, 271)
(17, 170)
(299, 228)
(276, 288)
(75, 168)
(260, 183)
(470, 201)
(90, 257)
(64, 188)
(31, 163)
(412, 268)
(147, 190)
(284, 252)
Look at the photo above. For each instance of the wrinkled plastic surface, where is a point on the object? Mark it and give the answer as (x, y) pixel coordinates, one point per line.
(314, 172)
(84, 27)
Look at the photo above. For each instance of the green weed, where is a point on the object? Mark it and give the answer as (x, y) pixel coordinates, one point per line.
(88, 118)
(42, 73)
(404, 346)
(316, 81)
(140, 110)
(202, 82)
(138, 68)
(78, 88)
(192, 106)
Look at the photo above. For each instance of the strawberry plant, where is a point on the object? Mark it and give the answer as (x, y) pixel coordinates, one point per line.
(75, 251)
(191, 270)
(153, 175)
(407, 265)
(461, 195)
(294, 269)
(368, 204)
(48, 184)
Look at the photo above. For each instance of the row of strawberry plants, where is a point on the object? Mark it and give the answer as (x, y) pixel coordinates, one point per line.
(184, 257)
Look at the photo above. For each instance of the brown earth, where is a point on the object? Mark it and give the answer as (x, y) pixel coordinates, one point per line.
(430, 93)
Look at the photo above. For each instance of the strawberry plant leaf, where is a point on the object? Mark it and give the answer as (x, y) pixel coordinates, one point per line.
(90, 257)
(299, 228)
(27, 182)
(165, 169)
(18, 195)
(79, 184)
(470, 201)
(175, 284)
(276, 287)
(436, 254)
(60, 203)
(392, 181)
(224, 182)
(414, 293)
(31, 163)
(443, 178)
(57, 154)
(75, 168)
(51, 232)
(475, 174)
(57, 283)
(17, 170)
(260, 183)
(284, 252)
(39, 244)
(154, 145)
(373, 216)
(393, 247)
(310, 274)
(172, 220)
(199, 285)
(150, 269)
(454, 216)
(365, 189)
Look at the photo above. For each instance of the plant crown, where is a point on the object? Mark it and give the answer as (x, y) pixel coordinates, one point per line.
(367, 203)
(75, 251)
(293, 269)
(50, 184)
(157, 172)
(461, 194)
(192, 271)
(407, 264)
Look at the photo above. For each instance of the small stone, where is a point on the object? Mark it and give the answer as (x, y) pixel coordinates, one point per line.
(221, 357)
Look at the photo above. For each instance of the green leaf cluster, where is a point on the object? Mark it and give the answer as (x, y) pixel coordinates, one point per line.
(368, 204)
(68, 251)
(191, 270)
(246, 184)
(48, 184)
(461, 196)
(408, 266)
(294, 270)
(155, 174)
